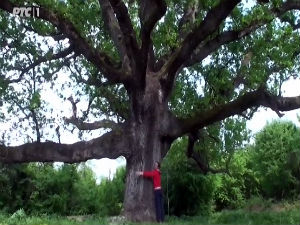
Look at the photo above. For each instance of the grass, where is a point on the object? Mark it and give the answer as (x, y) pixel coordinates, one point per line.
(254, 213)
(48, 220)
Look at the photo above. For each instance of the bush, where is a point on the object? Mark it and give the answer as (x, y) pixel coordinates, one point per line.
(41, 188)
(187, 191)
(275, 160)
(111, 194)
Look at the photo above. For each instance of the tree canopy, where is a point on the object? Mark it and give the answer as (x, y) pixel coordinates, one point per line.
(227, 57)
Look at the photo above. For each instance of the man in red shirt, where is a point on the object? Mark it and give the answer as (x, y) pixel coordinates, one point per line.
(155, 175)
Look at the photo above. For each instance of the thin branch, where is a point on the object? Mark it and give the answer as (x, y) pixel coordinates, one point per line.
(40, 60)
(27, 116)
(92, 81)
(57, 36)
(106, 124)
(87, 111)
(74, 106)
(58, 133)
(37, 129)
(81, 125)
(121, 113)
(188, 18)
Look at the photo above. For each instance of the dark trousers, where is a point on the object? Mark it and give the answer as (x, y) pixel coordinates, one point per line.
(159, 205)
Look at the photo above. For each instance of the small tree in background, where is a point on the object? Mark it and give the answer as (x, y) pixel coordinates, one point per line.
(111, 194)
(275, 159)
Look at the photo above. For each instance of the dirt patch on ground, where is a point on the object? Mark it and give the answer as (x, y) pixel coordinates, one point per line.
(110, 220)
(79, 218)
(273, 207)
(256, 208)
(278, 208)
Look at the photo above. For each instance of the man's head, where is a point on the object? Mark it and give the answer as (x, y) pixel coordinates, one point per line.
(157, 165)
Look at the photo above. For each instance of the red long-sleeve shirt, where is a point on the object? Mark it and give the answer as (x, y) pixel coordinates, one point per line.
(155, 175)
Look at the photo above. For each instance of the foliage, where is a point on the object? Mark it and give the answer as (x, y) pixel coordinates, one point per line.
(269, 167)
(111, 194)
(7, 219)
(275, 213)
(187, 191)
(66, 190)
(228, 193)
(15, 187)
(275, 159)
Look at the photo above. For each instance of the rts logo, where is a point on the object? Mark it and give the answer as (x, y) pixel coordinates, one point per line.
(30, 11)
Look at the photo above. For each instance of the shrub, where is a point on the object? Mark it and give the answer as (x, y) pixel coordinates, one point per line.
(275, 160)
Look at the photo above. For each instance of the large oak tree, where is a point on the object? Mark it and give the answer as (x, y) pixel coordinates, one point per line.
(158, 70)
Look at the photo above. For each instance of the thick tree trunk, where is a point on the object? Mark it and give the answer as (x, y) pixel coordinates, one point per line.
(148, 122)
(139, 195)
(139, 198)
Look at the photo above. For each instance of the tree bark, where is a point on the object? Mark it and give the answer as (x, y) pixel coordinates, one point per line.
(139, 198)
(150, 118)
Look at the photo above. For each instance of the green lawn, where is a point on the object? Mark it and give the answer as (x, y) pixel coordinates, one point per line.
(283, 213)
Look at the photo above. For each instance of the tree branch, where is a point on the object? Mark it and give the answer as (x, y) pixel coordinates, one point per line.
(57, 36)
(131, 45)
(288, 5)
(37, 128)
(115, 32)
(110, 145)
(88, 126)
(205, 49)
(150, 12)
(291, 22)
(188, 18)
(209, 25)
(226, 37)
(91, 126)
(81, 46)
(256, 98)
(40, 60)
(93, 79)
(199, 159)
(96, 82)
